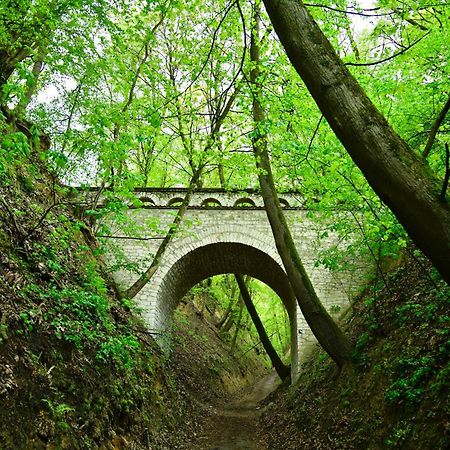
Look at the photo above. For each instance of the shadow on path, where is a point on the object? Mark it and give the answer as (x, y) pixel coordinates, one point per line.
(234, 426)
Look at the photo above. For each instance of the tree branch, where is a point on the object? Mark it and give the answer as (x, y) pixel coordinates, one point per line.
(348, 11)
(434, 129)
(404, 50)
(447, 172)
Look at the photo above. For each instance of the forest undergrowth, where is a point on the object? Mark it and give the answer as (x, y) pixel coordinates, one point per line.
(78, 369)
(397, 393)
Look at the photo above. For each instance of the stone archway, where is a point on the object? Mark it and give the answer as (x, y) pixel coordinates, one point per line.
(201, 260)
(241, 230)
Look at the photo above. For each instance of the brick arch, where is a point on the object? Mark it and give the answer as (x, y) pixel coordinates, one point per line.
(190, 260)
(145, 199)
(216, 259)
(175, 201)
(210, 202)
(244, 202)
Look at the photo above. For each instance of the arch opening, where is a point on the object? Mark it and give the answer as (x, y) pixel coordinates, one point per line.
(176, 201)
(211, 203)
(217, 299)
(244, 203)
(147, 200)
(221, 258)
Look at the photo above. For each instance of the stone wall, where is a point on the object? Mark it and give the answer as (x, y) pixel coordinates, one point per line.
(223, 240)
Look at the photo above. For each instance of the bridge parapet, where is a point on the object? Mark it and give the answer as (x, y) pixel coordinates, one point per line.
(208, 198)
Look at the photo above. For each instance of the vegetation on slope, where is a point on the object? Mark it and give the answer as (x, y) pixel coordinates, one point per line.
(397, 395)
(77, 368)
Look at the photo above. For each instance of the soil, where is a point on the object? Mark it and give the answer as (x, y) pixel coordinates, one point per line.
(396, 395)
(234, 425)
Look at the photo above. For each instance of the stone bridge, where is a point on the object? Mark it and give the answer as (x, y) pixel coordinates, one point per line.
(222, 232)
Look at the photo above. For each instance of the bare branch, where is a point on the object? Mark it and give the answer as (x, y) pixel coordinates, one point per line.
(434, 129)
(350, 11)
(404, 50)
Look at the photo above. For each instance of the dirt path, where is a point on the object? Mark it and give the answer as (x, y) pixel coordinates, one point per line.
(234, 426)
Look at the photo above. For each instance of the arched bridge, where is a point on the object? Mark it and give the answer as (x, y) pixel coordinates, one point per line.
(222, 232)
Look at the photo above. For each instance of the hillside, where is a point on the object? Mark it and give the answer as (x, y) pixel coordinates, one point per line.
(77, 367)
(397, 394)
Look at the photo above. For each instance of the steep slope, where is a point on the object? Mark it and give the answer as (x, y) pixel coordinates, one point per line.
(397, 396)
(77, 367)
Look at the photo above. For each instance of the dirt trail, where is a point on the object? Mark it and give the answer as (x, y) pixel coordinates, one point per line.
(234, 426)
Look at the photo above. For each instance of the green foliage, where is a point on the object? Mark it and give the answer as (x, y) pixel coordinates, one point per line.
(118, 349)
(220, 296)
(60, 413)
(76, 313)
(413, 374)
(398, 435)
(14, 148)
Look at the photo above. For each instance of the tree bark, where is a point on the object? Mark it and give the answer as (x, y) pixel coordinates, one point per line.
(282, 370)
(229, 309)
(329, 335)
(400, 178)
(8, 63)
(31, 88)
(237, 325)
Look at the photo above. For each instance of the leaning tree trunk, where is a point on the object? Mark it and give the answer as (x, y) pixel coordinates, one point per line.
(8, 63)
(322, 325)
(146, 276)
(282, 370)
(399, 177)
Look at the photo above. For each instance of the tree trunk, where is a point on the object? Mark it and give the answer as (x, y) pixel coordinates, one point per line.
(435, 127)
(8, 63)
(283, 371)
(136, 287)
(229, 309)
(31, 86)
(400, 178)
(237, 325)
(322, 325)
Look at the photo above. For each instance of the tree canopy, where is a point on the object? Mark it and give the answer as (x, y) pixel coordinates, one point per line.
(160, 93)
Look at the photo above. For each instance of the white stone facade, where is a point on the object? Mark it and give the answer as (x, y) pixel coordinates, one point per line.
(226, 239)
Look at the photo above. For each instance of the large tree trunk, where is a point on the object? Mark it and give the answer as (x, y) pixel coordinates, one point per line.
(400, 178)
(322, 325)
(282, 370)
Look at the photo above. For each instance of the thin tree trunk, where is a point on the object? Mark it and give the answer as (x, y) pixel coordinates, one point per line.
(435, 127)
(133, 290)
(283, 371)
(136, 287)
(322, 325)
(401, 178)
(31, 88)
(237, 325)
(228, 324)
(8, 63)
(229, 309)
